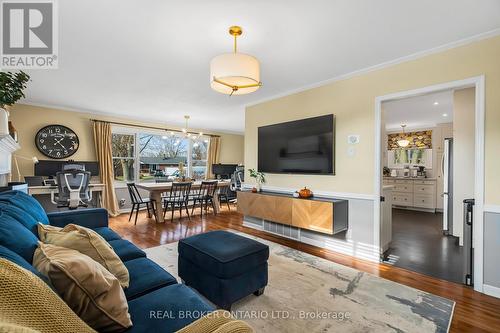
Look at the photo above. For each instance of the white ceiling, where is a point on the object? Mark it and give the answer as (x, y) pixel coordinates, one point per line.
(150, 59)
(419, 112)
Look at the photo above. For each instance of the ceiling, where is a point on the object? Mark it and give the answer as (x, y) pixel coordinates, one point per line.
(149, 60)
(419, 112)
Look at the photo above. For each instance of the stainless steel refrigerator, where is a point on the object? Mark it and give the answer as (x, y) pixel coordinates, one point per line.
(447, 172)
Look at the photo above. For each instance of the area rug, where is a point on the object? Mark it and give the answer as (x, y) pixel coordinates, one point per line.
(310, 294)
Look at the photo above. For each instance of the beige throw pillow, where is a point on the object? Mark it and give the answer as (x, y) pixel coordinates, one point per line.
(86, 286)
(27, 301)
(88, 242)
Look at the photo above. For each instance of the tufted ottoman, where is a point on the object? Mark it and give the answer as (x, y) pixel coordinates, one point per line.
(223, 266)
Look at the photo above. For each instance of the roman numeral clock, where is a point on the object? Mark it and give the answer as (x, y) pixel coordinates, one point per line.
(57, 141)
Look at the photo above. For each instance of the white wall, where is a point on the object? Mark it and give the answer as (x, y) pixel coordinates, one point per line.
(463, 154)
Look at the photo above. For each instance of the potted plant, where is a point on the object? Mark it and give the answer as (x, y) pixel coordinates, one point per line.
(260, 178)
(12, 87)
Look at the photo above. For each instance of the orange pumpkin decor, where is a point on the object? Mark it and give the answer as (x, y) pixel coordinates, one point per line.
(305, 193)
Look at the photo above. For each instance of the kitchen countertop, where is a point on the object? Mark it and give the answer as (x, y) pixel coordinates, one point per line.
(409, 178)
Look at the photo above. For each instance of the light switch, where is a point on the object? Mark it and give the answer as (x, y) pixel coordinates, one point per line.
(351, 151)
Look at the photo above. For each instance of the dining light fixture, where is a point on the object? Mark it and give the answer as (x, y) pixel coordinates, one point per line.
(235, 73)
(186, 132)
(404, 142)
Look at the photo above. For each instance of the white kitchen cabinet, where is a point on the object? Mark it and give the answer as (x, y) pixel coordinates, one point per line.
(413, 192)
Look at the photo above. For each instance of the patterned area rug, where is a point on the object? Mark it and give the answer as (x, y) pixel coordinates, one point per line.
(309, 294)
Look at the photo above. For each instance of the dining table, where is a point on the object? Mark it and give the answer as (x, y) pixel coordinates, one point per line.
(156, 189)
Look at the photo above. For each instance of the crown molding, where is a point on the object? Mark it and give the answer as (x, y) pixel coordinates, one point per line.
(175, 125)
(414, 56)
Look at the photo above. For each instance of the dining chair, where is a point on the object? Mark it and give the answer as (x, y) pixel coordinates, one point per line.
(137, 201)
(205, 194)
(178, 197)
(224, 196)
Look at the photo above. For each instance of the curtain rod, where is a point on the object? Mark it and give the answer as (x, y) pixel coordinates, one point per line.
(152, 127)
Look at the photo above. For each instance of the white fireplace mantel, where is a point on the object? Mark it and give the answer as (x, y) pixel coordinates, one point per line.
(7, 147)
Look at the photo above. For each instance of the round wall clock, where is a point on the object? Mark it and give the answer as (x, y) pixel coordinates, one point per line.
(57, 141)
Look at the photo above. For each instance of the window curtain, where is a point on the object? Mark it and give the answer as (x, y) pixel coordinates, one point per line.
(213, 155)
(102, 141)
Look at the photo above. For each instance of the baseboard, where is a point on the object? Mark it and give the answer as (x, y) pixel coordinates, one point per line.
(492, 291)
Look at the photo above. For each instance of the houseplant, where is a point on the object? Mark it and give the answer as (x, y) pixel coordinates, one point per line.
(12, 87)
(260, 178)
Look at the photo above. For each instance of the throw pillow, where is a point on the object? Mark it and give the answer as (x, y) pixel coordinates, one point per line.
(88, 242)
(27, 301)
(86, 286)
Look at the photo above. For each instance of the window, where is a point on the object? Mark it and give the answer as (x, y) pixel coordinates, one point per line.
(123, 156)
(199, 152)
(157, 155)
(160, 155)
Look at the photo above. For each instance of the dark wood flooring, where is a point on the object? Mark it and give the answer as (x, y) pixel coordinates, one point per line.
(474, 312)
(418, 244)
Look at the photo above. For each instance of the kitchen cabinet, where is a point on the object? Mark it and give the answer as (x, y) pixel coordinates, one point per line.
(413, 192)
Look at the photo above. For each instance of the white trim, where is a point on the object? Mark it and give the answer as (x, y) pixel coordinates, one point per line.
(417, 55)
(492, 291)
(478, 232)
(491, 209)
(325, 194)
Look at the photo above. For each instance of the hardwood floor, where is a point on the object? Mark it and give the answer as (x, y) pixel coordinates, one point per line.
(474, 312)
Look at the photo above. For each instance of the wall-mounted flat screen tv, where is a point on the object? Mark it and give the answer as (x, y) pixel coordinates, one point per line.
(302, 147)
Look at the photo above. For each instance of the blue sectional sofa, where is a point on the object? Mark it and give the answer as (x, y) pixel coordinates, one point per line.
(156, 301)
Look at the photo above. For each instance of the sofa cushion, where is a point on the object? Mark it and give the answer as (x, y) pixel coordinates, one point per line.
(26, 300)
(86, 286)
(146, 276)
(126, 250)
(18, 260)
(21, 216)
(27, 203)
(167, 309)
(88, 242)
(222, 253)
(107, 233)
(15, 237)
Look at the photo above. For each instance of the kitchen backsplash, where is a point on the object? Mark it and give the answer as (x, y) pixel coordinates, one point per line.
(419, 139)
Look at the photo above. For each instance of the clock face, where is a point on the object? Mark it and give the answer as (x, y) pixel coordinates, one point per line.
(57, 141)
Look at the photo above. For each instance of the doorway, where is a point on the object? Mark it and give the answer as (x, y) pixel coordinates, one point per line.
(425, 230)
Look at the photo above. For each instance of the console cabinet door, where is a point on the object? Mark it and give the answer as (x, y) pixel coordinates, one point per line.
(313, 215)
(267, 207)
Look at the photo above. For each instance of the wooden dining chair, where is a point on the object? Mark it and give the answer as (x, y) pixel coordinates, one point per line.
(204, 196)
(224, 196)
(138, 201)
(178, 197)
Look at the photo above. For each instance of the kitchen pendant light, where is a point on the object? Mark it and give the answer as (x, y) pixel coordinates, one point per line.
(404, 142)
(235, 73)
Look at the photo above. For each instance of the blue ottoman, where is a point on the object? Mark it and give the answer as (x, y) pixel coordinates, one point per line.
(223, 266)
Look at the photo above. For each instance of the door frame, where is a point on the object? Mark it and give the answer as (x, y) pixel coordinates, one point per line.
(478, 83)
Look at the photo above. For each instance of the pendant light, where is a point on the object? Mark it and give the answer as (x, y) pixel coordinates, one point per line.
(403, 142)
(235, 73)
(185, 130)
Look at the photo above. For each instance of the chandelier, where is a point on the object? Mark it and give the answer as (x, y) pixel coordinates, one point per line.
(187, 133)
(403, 142)
(235, 73)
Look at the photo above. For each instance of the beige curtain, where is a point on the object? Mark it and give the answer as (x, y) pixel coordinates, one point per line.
(213, 155)
(102, 141)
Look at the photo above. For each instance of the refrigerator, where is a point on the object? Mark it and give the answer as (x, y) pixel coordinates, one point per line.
(447, 173)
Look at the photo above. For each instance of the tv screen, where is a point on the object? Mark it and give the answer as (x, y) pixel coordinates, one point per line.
(303, 146)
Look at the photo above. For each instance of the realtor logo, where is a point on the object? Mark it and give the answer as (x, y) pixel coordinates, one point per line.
(29, 34)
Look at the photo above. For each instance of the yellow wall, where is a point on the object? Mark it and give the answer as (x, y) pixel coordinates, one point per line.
(353, 102)
(29, 119)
